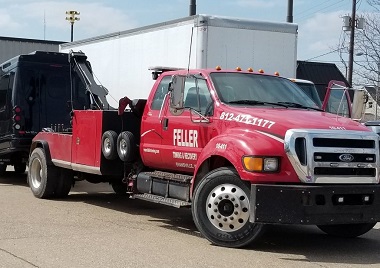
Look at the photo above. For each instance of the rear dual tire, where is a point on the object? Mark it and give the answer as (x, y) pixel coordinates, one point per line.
(109, 145)
(122, 145)
(126, 146)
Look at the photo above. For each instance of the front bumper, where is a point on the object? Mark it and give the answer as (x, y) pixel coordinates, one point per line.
(315, 204)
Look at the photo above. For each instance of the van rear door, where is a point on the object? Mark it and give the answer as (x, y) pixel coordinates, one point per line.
(46, 90)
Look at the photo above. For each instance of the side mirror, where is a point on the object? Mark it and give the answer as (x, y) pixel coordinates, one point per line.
(176, 91)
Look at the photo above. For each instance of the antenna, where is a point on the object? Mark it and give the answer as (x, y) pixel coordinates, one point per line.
(191, 43)
(44, 26)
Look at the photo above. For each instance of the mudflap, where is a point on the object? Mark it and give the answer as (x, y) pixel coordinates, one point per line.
(315, 204)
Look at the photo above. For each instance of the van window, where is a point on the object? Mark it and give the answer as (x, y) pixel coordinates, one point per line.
(4, 85)
(56, 86)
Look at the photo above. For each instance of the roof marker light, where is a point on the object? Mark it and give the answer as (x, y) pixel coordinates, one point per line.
(261, 71)
(238, 69)
(276, 73)
(218, 68)
(250, 70)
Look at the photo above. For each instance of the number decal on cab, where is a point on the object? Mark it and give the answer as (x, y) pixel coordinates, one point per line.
(247, 119)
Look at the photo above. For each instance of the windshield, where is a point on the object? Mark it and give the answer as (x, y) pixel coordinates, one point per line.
(233, 88)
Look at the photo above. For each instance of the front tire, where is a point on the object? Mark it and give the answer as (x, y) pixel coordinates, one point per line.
(347, 230)
(42, 177)
(221, 208)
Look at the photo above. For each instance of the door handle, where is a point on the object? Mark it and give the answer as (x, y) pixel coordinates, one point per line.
(165, 123)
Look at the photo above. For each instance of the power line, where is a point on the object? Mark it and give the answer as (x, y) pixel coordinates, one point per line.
(311, 8)
(327, 53)
(308, 15)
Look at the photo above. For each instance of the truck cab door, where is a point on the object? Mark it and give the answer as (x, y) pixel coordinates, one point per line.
(337, 99)
(184, 132)
(151, 130)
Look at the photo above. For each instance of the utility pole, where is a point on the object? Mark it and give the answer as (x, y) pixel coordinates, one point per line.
(351, 47)
(72, 18)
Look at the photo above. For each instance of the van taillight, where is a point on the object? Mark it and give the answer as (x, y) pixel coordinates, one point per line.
(17, 110)
(17, 118)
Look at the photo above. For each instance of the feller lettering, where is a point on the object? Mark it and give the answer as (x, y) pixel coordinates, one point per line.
(185, 137)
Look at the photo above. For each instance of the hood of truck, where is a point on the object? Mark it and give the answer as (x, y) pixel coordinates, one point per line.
(277, 121)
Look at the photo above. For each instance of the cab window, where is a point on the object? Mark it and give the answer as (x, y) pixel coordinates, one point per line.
(197, 95)
(159, 96)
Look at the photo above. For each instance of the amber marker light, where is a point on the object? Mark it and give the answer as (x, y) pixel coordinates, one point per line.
(276, 73)
(238, 69)
(218, 68)
(253, 163)
(260, 164)
(261, 71)
(250, 70)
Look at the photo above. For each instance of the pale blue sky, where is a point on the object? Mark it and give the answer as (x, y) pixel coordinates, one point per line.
(320, 23)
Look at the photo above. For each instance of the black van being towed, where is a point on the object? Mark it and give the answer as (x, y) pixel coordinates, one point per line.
(37, 90)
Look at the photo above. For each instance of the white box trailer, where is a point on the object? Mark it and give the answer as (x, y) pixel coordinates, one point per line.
(121, 60)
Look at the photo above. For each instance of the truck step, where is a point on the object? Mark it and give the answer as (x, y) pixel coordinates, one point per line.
(169, 176)
(162, 200)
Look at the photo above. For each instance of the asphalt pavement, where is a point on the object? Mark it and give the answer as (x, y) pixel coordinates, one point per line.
(93, 227)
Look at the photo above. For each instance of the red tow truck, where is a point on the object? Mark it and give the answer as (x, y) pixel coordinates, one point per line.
(243, 149)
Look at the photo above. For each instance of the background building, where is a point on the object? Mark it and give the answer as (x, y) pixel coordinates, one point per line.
(11, 47)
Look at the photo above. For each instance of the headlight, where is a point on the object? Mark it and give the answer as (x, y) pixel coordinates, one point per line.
(260, 163)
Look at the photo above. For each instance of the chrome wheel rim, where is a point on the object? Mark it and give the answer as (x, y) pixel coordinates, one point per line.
(36, 173)
(107, 145)
(227, 207)
(123, 147)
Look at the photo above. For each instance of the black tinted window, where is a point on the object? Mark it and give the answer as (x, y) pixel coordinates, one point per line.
(4, 84)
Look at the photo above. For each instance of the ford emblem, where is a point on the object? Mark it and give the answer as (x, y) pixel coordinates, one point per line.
(346, 157)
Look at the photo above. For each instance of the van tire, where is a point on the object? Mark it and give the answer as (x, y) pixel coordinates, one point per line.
(126, 146)
(3, 169)
(19, 168)
(109, 145)
(42, 178)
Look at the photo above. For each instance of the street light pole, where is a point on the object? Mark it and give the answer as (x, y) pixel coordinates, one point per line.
(72, 18)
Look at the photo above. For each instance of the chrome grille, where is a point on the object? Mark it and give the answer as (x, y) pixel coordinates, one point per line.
(333, 156)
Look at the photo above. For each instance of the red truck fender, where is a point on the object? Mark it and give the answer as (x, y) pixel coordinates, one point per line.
(231, 146)
(44, 145)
